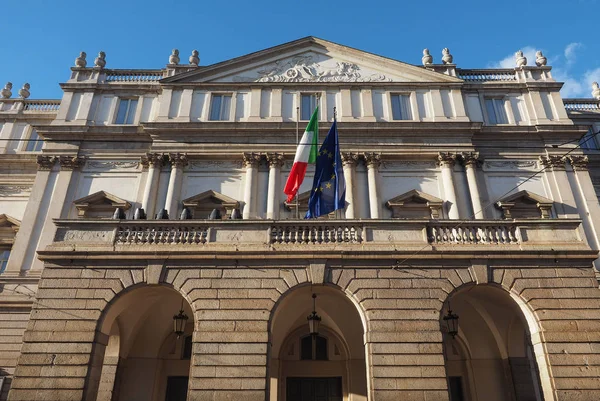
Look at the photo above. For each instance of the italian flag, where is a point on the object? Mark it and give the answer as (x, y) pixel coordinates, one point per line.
(306, 153)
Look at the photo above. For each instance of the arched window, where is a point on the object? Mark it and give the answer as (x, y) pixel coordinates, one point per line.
(313, 348)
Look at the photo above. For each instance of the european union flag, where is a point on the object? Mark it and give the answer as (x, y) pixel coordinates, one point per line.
(329, 187)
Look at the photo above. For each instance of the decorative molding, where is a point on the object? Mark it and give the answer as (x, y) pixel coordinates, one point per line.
(100, 201)
(208, 164)
(11, 189)
(70, 162)
(114, 165)
(349, 158)
(525, 204)
(303, 68)
(45, 162)
(446, 159)
(178, 160)
(553, 162)
(203, 203)
(415, 204)
(408, 165)
(153, 159)
(275, 159)
(372, 159)
(470, 159)
(579, 163)
(251, 159)
(511, 164)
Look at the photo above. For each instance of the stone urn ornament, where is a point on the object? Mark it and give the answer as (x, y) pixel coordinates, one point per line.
(80, 61)
(447, 58)
(100, 61)
(6, 92)
(194, 59)
(427, 58)
(521, 60)
(596, 90)
(174, 57)
(540, 60)
(24, 91)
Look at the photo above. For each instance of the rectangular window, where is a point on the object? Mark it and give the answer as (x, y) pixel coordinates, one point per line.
(496, 111)
(34, 142)
(588, 142)
(308, 104)
(401, 107)
(4, 259)
(220, 106)
(126, 111)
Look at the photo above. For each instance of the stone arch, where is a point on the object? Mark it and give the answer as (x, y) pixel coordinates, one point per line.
(496, 327)
(135, 355)
(343, 322)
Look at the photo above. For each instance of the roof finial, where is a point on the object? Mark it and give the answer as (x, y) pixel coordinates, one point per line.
(427, 58)
(24, 91)
(540, 60)
(596, 90)
(174, 57)
(80, 61)
(446, 56)
(100, 61)
(6, 92)
(521, 60)
(194, 59)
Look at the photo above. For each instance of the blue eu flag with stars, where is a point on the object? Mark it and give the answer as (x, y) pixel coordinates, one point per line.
(329, 187)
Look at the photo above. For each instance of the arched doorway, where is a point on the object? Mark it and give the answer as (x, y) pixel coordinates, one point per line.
(327, 367)
(491, 358)
(143, 359)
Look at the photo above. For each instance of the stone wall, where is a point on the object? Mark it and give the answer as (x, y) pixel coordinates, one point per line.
(232, 306)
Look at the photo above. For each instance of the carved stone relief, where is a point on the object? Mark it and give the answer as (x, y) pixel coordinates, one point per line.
(113, 165)
(14, 190)
(510, 165)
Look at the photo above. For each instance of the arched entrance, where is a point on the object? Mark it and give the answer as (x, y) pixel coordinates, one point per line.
(143, 358)
(491, 358)
(327, 367)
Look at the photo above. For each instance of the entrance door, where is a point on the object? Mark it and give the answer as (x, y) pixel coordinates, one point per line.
(314, 389)
(177, 388)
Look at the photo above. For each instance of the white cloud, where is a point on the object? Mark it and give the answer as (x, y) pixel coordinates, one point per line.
(575, 85)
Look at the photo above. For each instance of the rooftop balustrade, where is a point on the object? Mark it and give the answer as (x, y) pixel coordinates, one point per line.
(586, 105)
(41, 106)
(485, 75)
(133, 76)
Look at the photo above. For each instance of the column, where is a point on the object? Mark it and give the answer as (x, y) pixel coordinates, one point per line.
(22, 239)
(556, 174)
(349, 161)
(372, 161)
(471, 162)
(587, 201)
(251, 161)
(446, 161)
(154, 162)
(275, 161)
(178, 162)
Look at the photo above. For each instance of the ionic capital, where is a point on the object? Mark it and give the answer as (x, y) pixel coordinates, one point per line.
(275, 159)
(470, 159)
(153, 159)
(372, 159)
(45, 162)
(446, 159)
(251, 159)
(553, 162)
(70, 162)
(178, 160)
(579, 163)
(349, 159)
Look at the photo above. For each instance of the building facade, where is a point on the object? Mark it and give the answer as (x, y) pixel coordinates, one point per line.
(145, 199)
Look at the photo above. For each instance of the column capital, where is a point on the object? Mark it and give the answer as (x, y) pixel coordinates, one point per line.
(446, 159)
(153, 159)
(579, 162)
(45, 162)
(349, 158)
(178, 160)
(470, 159)
(71, 162)
(372, 159)
(554, 162)
(275, 159)
(251, 159)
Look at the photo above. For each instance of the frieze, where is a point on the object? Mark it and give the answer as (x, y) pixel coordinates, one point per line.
(215, 164)
(510, 165)
(113, 165)
(304, 68)
(408, 165)
(12, 190)
(83, 235)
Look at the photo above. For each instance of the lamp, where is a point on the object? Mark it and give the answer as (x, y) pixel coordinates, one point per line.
(451, 320)
(313, 319)
(179, 321)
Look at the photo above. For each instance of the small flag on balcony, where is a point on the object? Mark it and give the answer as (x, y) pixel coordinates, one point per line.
(305, 153)
(329, 187)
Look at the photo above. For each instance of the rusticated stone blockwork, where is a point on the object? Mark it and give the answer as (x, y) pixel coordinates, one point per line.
(247, 321)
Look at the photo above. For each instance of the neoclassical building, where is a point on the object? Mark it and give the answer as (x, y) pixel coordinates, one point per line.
(148, 251)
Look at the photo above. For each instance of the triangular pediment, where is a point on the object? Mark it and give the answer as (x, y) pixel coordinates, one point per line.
(415, 196)
(415, 204)
(526, 197)
(8, 229)
(211, 199)
(100, 201)
(525, 204)
(311, 60)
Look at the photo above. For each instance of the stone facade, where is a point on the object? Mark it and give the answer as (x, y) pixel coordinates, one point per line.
(462, 196)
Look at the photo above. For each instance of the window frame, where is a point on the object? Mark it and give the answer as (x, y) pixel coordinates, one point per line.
(4, 262)
(128, 113)
(313, 342)
(411, 113)
(38, 143)
(221, 108)
(318, 96)
(495, 108)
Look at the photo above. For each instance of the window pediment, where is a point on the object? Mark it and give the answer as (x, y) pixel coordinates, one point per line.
(100, 204)
(415, 204)
(525, 205)
(9, 226)
(202, 204)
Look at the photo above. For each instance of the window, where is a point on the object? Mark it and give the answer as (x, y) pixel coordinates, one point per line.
(588, 142)
(4, 254)
(401, 107)
(220, 107)
(308, 104)
(187, 348)
(496, 111)
(313, 348)
(126, 112)
(34, 143)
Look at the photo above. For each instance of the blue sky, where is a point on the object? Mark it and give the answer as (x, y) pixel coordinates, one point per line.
(41, 38)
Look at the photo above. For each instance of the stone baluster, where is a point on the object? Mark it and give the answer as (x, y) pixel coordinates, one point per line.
(349, 161)
(275, 161)
(471, 162)
(251, 161)
(178, 162)
(373, 160)
(446, 161)
(154, 162)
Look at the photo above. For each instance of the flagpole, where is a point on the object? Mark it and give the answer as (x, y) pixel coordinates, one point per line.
(297, 143)
(337, 211)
